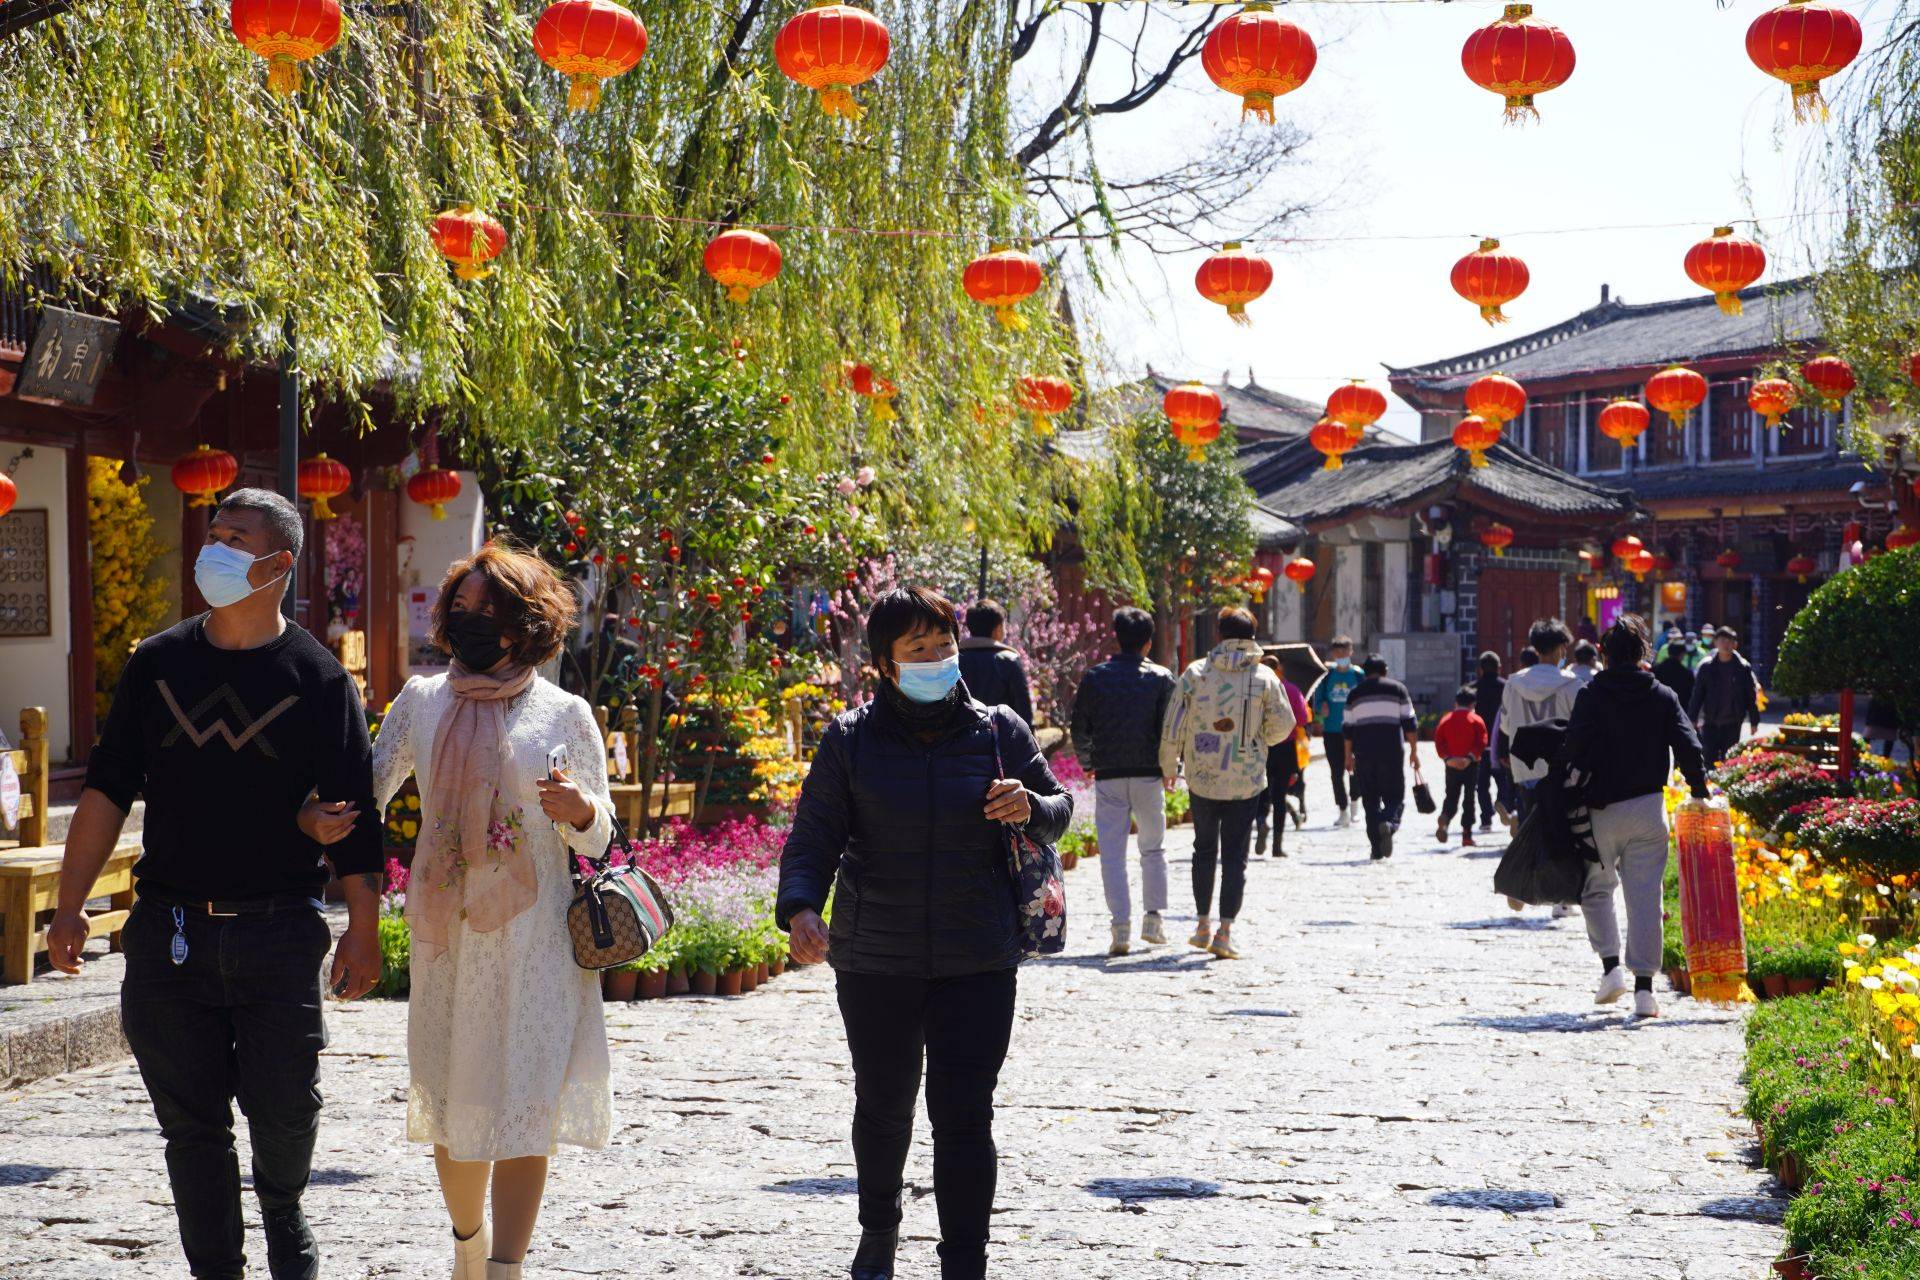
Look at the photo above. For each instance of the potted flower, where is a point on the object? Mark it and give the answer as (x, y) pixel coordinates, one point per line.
(1764, 973)
(619, 982)
(1806, 968)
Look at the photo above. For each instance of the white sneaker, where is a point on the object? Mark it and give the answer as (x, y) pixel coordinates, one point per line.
(1613, 986)
(470, 1255)
(1346, 817)
(1561, 911)
(1644, 1005)
(1119, 946)
(1152, 931)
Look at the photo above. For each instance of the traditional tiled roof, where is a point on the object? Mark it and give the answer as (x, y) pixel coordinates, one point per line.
(1255, 411)
(1824, 475)
(1624, 336)
(1273, 530)
(1381, 478)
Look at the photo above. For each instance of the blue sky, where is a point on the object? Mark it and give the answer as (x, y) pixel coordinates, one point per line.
(1664, 121)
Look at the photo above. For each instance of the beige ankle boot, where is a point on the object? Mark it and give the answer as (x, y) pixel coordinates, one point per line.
(470, 1256)
(502, 1270)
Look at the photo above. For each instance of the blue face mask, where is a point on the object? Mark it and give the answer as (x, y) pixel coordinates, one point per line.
(220, 571)
(929, 681)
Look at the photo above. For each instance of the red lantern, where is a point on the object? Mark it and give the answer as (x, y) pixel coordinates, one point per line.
(1913, 368)
(1852, 533)
(1773, 399)
(1724, 265)
(589, 41)
(1623, 421)
(203, 473)
(1832, 377)
(1475, 435)
(1518, 57)
(1333, 440)
(1490, 278)
(1662, 563)
(1259, 55)
(1497, 537)
(1299, 571)
(1356, 405)
(1044, 398)
(434, 488)
(877, 389)
(9, 494)
(1676, 391)
(1003, 278)
(469, 240)
(1639, 564)
(741, 261)
(286, 33)
(1902, 538)
(322, 478)
(1728, 560)
(1626, 547)
(1233, 278)
(1198, 439)
(1497, 398)
(1801, 566)
(1191, 405)
(1802, 43)
(1261, 581)
(830, 48)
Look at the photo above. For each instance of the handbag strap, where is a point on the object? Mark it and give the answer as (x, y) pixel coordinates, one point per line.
(618, 838)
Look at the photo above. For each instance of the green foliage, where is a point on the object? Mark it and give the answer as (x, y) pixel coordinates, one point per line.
(1179, 804)
(1857, 632)
(396, 955)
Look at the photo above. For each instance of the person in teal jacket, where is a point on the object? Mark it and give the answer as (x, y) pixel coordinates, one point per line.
(1328, 702)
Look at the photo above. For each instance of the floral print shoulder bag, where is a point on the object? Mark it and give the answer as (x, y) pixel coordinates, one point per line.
(1039, 883)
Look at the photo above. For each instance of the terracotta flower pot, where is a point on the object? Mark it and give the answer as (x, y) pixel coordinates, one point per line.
(1775, 985)
(1068, 861)
(749, 978)
(1676, 978)
(619, 984)
(702, 982)
(728, 983)
(1802, 986)
(1791, 1268)
(677, 982)
(776, 966)
(653, 984)
(1788, 1171)
(761, 974)
(1686, 982)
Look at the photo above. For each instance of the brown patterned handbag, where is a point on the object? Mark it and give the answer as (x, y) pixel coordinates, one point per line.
(618, 913)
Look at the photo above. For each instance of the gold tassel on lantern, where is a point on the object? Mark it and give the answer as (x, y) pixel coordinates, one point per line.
(583, 92)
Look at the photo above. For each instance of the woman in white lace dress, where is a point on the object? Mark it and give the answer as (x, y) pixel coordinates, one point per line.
(506, 1046)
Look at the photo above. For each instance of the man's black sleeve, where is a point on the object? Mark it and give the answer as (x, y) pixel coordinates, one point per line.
(343, 770)
(117, 768)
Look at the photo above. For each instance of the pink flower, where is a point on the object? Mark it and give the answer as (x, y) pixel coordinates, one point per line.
(865, 476)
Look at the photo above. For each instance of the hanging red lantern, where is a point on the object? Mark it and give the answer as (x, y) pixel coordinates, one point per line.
(1662, 563)
(1852, 533)
(1003, 278)
(1497, 398)
(9, 493)
(286, 33)
(1259, 55)
(322, 478)
(204, 473)
(1676, 391)
(1044, 398)
(1832, 377)
(1518, 57)
(1902, 538)
(1623, 421)
(434, 488)
(1233, 278)
(1333, 440)
(1626, 547)
(830, 48)
(1728, 560)
(1803, 42)
(1299, 572)
(1497, 537)
(878, 390)
(1261, 581)
(1913, 368)
(1801, 566)
(1197, 439)
(1639, 564)
(469, 240)
(1474, 436)
(741, 260)
(1773, 399)
(1190, 406)
(1490, 278)
(589, 41)
(1356, 405)
(1725, 264)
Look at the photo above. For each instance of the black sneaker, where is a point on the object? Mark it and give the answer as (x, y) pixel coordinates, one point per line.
(1373, 842)
(291, 1252)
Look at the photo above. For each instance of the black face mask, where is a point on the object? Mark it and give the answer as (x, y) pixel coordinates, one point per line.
(476, 641)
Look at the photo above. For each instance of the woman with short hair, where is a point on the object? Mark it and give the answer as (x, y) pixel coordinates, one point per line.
(903, 818)
(506, 1045)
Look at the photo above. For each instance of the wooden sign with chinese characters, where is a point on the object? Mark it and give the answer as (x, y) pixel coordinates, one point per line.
(69, 353)
(26, 575)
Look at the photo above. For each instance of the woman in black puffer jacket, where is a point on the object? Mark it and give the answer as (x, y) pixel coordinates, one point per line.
(902, 817)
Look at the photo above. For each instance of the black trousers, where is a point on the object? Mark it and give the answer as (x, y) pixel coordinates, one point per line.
(1719, 739)
(1460, 789)
(958, 1028)
(1381, 780)
(1336, 745)
(1222, 830)
(1283, 773)
(240, 1019)
(1494, 782)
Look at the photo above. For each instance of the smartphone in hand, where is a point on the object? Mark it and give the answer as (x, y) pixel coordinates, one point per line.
(557, 759)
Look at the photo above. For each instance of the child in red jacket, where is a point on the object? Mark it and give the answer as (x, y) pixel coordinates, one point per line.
(1461, 739)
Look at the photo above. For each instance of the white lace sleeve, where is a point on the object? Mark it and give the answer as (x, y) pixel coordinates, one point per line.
(393, 746)
(589, 752)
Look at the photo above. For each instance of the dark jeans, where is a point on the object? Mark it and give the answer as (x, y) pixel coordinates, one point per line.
(1281, 779)
(959, 1028)
(1718, 739)
(1336, 745)
(1495, 782)
(1460, 788)
(1222, 830)
(1381, 781)
(240, 1019)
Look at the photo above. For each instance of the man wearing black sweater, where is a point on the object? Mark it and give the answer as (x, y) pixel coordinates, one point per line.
(248, 741)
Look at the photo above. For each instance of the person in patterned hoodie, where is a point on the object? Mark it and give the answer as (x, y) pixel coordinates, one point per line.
(1227, 711)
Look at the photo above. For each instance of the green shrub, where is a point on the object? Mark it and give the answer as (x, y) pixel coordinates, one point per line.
(396, 955)
(1179, 805)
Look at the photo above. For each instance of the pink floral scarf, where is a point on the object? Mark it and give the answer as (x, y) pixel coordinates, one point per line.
(477, 865)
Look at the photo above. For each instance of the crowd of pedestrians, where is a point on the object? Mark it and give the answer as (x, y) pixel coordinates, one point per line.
(895, 871)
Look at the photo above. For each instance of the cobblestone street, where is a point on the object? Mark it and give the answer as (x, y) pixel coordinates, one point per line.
(1402, 1079)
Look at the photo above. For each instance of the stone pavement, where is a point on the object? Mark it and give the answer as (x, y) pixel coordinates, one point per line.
(1402, 1079)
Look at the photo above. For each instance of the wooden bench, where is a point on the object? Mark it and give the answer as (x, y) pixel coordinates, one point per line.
(631, 801)
(30, 872)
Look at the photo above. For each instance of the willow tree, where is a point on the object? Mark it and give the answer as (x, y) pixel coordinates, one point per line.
(143, 158)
